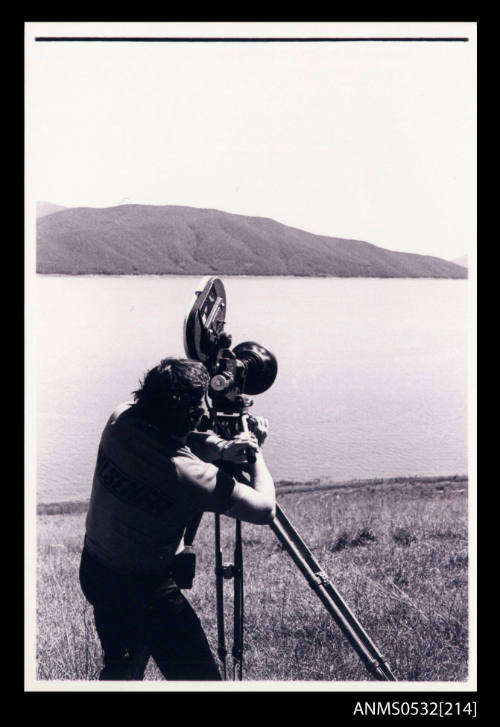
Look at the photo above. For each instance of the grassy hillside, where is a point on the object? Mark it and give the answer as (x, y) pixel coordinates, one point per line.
(148, 239)
(396, 551)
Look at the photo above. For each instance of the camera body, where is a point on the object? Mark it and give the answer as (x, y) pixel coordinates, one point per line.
(248, 368)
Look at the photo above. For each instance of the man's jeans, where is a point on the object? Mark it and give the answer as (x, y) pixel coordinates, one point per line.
(141, 616)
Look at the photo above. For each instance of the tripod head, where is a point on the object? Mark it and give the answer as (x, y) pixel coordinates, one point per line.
(248, 368)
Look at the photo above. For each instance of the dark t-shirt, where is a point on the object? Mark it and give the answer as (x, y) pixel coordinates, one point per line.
(145, 490)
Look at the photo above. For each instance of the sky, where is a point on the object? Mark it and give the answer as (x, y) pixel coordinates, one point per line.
(369, 141)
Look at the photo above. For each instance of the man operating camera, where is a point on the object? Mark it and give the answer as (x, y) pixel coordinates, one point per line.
(154, 474)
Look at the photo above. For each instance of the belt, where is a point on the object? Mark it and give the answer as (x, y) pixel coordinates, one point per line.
(164, 572)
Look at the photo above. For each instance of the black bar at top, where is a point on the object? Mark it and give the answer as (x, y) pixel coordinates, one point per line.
(104, 39)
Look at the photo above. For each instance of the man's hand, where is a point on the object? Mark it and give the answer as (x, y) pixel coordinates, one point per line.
(260, 427)
(235, 449)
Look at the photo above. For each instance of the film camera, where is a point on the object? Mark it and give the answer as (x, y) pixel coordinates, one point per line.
(248, 368)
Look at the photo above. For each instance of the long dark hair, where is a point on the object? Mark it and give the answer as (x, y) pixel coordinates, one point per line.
(167, 392)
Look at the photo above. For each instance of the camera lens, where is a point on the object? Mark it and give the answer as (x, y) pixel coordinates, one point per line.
(261, 365)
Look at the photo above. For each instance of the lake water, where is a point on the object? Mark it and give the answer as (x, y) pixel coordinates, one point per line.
(372, 378)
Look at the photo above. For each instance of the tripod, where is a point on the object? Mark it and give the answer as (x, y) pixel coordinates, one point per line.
(251, 368)
(317, 579)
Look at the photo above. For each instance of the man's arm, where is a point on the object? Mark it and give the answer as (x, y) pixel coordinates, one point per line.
(255, 503)
(206, 445)
(210, 489)
(211, 448)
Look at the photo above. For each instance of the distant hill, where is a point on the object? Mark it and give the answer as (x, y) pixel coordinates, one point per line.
(47, 208)
(149, 239)
(463, 261)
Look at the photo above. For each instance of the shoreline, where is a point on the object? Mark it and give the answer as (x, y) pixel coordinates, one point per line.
(284, 487)
(264, 275)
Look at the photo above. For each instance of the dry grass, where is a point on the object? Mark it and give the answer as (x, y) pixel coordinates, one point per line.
(397, 553)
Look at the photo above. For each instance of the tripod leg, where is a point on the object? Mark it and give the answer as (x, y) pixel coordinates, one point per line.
(238, 606)
(321, 579)
(219, 592)
(331, 599)
(323, 582)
